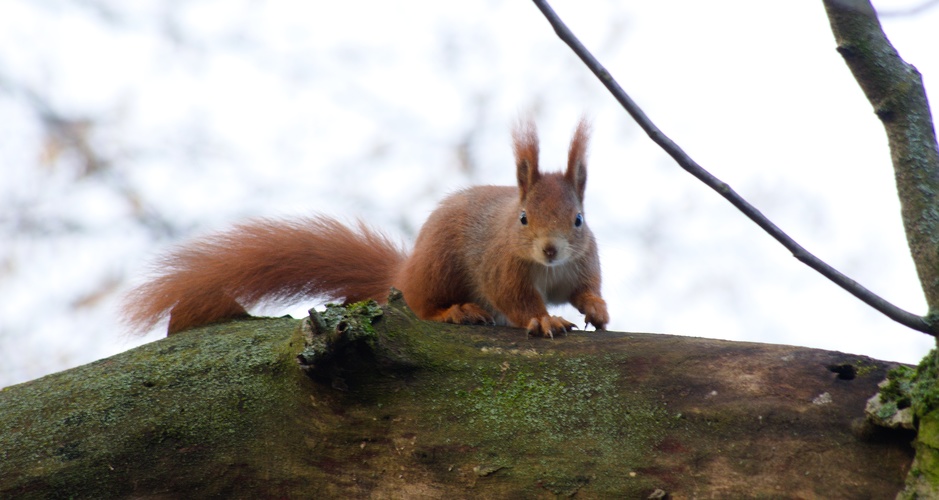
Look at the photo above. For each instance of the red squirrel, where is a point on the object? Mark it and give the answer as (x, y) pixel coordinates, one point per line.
(486, 255)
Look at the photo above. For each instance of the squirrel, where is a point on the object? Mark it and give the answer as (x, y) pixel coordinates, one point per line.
(486, 255)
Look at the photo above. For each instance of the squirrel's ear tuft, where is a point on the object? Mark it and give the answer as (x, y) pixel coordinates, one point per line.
(577, 158)
(525, 142)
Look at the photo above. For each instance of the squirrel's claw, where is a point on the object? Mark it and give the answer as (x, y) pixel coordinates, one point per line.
(547, 326)
(595, 313)
(465, 314)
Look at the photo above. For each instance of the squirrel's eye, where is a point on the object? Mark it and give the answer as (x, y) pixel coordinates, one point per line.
(523, 218)
(579, 220)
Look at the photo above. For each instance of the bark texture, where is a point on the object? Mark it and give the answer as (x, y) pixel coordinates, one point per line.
(400, 408)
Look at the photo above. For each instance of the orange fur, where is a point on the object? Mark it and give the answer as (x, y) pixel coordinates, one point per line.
(487, 254)
(270, 261)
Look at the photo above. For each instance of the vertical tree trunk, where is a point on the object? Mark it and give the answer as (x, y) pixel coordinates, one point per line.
(895, 89)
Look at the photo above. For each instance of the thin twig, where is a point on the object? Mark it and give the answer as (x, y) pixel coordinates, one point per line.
(684, 161)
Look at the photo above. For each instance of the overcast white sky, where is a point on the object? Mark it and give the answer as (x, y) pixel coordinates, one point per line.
(212, 111)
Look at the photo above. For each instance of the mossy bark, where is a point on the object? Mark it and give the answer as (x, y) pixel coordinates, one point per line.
(407, 408)
(915, 390)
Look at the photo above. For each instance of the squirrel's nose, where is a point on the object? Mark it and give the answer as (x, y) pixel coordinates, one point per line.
(550, 251)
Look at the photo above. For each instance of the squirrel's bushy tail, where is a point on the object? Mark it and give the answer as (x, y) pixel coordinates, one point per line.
(265, 261)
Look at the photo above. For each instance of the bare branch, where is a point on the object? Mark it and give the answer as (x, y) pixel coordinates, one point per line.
(689, 165)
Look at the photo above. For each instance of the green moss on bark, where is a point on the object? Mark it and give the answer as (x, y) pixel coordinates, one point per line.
(917, 388)
(102, 429)
(558, 420)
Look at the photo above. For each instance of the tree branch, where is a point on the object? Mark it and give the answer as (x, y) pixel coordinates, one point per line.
(689, 165)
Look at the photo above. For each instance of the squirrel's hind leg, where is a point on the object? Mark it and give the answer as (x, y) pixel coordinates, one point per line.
(465, 314)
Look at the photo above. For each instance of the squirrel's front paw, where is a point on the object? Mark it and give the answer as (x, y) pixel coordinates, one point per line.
(595, 313)
(547, 326)
(593, 307)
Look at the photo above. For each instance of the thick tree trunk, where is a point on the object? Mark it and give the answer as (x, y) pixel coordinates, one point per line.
(398, 407)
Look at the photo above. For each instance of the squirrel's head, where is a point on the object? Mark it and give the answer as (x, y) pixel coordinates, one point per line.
(551, 216)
